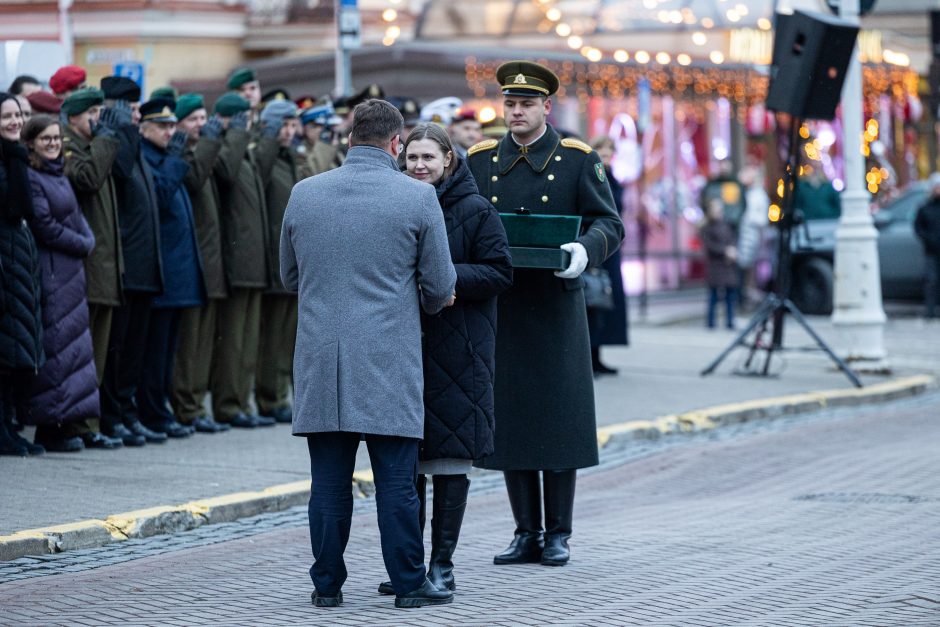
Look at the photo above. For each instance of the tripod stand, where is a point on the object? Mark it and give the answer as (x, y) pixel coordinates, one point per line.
(776, 305)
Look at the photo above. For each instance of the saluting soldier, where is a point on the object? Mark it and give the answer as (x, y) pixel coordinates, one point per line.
(545, 419)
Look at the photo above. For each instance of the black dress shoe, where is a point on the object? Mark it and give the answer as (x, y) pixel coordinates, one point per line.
(124, 434)
(264, 421)
(427, 594)
(152, 437)
(240, 421)
(9, 443)
(282, 415)
(172, 429)
(31, 449)
(63, 445)
(525, 548)
(205, 424)
(601, 369)
(97, 440)
(320, 600)
(386, 588)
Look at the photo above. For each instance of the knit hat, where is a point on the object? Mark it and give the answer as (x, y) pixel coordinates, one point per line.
(82, 100)
(230, 104)
(67, 78)
(120, 88)
(241, 76)
(44, 102)
(188, 103)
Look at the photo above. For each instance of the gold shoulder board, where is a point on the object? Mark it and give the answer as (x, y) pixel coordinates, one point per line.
(576, 143)
(486, 144)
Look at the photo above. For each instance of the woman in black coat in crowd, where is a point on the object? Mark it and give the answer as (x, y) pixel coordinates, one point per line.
(21, 353)
(459, 343)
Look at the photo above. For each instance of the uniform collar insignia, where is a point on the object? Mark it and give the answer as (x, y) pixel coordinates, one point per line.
(537, 154)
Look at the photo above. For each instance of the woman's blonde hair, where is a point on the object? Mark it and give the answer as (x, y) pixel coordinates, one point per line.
(437, 134)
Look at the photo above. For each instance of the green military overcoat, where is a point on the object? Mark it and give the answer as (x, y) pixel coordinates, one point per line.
(88, 167)
(278, 170)
(243, 213)
(545, 418)
(204, 194)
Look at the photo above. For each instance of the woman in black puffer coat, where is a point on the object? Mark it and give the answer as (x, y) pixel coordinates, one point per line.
(21, 353)
(459, 342)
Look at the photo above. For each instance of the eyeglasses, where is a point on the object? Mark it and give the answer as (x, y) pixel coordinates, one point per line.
(49, 140)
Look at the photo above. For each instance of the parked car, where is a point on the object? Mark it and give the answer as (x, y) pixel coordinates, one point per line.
(900, 253)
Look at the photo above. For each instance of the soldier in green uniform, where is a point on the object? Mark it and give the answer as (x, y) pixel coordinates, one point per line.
(545, 418)
(318, 152)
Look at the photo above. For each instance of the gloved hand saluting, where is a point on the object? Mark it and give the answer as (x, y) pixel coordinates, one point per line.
(239, 120)
(122, 113)
(579, 261)
(177, 143)
(212, 128)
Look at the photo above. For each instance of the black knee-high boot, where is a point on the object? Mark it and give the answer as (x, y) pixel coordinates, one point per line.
(559, 510)
(525, 499)
(450, 503)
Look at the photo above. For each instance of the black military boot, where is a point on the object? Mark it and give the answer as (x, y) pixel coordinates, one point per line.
(450, 502)
(421, 485)
(559, 508)
(525, 500)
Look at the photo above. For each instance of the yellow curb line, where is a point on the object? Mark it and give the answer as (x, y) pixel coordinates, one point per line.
(153, 521)
(711, 417)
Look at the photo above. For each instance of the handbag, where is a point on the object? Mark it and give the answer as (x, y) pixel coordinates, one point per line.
(598, 289)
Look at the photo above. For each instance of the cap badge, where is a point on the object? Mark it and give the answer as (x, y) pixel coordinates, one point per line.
(519, 80)
(166, 111)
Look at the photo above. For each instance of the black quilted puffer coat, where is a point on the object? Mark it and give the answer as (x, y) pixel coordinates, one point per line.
(20, 295)
(460, 341)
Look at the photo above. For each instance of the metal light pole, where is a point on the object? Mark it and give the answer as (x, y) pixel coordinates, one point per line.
(347, 37)
(857, 310)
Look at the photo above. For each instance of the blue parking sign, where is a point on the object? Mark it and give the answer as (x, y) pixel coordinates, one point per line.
(132, 70)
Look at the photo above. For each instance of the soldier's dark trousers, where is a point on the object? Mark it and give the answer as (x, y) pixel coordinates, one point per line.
(236, 353)
(395, 467)
(276, 352)
(156, 376)
(99, 322)
(125, 358)
(194, 361)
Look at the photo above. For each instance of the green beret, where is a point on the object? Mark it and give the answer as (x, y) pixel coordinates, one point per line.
(164, 92)
(187, 103)
(82, 100)
(241, 76)
(230, 104)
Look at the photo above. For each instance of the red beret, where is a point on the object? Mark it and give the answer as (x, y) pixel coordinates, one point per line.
(44, 102)
(67, 78)
(464, 114)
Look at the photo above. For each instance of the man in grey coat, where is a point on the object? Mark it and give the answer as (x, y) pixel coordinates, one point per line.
(366, 249)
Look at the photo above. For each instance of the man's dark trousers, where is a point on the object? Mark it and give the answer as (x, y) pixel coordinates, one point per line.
(395, 468)
(126, 354)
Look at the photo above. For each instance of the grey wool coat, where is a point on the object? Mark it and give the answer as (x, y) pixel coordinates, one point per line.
(366, 249)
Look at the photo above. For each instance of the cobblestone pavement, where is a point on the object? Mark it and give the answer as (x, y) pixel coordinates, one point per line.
(822, 520)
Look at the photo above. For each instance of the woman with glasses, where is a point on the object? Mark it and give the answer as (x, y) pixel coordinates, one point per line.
(20, 320)
(64, 391)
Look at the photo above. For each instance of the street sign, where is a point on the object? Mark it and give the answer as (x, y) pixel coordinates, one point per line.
(349, 23)
(133, 70)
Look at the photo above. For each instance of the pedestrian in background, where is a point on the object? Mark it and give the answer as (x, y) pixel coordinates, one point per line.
(194, 357)
(816, 198)
(927, 227)
(138, 217)
(608, 327)
(366, 248)
(90, 148)
(276, 161)
(21, 352)
(163, 147)
(244, 255)
(64, 393)
(721, 269)
(751, 231)
(459, 344)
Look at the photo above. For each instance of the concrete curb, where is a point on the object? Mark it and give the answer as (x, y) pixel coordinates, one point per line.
(154, 521)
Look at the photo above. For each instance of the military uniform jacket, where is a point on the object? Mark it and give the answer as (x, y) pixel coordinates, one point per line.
(318, 158)
(205, 198)
(545, 418)
(244, 215)
(88, 167)
(278, 170)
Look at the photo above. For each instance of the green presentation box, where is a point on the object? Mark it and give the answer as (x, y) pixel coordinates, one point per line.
(534, 239)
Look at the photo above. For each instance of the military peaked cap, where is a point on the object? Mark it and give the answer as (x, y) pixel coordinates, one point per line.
(158, 110)
(525, 78)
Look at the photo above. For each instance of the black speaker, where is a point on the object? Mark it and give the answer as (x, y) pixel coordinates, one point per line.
(810, 57)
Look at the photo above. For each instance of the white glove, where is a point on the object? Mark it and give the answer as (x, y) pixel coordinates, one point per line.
(579, 261)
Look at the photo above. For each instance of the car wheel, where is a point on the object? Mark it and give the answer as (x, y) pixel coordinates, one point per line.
(812, 286)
